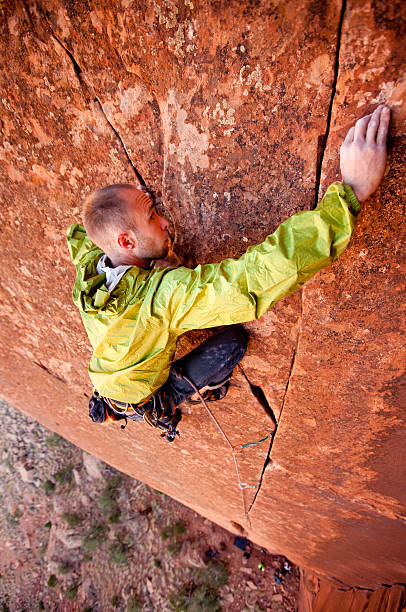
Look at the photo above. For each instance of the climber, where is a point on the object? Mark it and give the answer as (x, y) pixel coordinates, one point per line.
(134, 312)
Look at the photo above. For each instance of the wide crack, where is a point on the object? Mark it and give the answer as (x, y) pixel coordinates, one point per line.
(322, 141)
(268, 457)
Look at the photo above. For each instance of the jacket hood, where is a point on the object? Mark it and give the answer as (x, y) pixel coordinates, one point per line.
(90, 293)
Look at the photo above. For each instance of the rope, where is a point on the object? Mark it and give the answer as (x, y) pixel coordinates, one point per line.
(241, 485)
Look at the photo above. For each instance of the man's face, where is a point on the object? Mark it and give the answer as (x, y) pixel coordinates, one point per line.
(153, 238)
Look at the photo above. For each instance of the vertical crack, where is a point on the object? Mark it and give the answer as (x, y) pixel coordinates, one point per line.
(120, 140)
(266, 462)
(260, 396)
(268, 457)
(292, 363)
(322, 141)
(90, 95)
(321, 148)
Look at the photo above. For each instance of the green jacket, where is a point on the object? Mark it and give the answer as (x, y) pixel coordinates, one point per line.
(133, 330)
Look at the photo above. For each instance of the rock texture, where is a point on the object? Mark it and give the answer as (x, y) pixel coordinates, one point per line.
(233, 115)
(319, 595)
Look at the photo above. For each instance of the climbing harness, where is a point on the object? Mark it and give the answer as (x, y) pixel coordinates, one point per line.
(159, 411)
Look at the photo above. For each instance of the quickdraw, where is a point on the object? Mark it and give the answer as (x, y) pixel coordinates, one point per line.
(240, 447)
(234, 449)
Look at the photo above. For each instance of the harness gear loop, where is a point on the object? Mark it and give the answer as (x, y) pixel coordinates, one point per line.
(160, 414)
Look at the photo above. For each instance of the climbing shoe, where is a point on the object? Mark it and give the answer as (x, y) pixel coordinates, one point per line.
(211, 392)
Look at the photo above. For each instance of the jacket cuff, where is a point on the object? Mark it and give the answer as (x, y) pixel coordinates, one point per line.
(351, 198)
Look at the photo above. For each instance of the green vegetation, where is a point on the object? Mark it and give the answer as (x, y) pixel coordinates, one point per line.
(65, 568)
(115, 516)
(48, 525)
(200, 595)
(72, 518)
(54, 440)
(134, 605)
(13, 519)
(49, 487)
(174, 548)
(171, 531)
(179, 527)
(52, 581)
(72, 591)
(158, 563)
(107, 500)
(94, 536)
(64, 476)
(115, 601)
(119, 552)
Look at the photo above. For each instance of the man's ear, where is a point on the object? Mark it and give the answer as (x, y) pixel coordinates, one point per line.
(126, 242)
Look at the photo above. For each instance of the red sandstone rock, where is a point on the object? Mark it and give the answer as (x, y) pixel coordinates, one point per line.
(222, 111)
(317, 595)
(345, 387)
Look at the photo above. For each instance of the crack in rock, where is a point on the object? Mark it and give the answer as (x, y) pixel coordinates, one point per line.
(322, 143)
(322, 140)
(268, 457)
(40, 365)
(260, 396)
(91, 95)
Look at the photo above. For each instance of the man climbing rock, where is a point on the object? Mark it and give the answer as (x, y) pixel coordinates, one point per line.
(134, 313)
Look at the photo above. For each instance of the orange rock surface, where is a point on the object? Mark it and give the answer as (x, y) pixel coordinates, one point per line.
(233, 114)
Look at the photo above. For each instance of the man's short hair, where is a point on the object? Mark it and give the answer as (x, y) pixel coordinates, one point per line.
(105, 213)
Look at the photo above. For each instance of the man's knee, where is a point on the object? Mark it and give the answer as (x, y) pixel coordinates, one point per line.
(237, 340)
(242, 336)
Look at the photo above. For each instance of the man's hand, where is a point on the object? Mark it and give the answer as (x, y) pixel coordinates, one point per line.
(363, 153)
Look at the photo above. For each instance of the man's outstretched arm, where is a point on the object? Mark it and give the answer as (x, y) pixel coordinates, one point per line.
(240, 290)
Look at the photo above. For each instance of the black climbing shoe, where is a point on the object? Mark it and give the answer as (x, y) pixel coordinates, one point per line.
(211, 393)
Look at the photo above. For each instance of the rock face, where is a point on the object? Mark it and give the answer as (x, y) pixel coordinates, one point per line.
(232, 113)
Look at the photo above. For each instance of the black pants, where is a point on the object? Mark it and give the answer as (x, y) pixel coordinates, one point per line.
(209, 363)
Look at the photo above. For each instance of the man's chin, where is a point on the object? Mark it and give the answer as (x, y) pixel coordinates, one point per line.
(164, 252)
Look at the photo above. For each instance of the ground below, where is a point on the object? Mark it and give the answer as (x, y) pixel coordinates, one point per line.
(77, 535)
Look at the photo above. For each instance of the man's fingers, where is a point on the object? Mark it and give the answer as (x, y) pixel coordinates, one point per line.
(374, 124)
(361, 127)
(383, 126)
(350, 136)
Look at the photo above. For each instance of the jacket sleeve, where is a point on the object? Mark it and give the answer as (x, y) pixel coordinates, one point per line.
(238, 290)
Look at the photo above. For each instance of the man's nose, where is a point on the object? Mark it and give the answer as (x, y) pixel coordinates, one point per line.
(164, 223)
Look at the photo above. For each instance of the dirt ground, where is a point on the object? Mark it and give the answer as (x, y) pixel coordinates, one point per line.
(77, 535)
